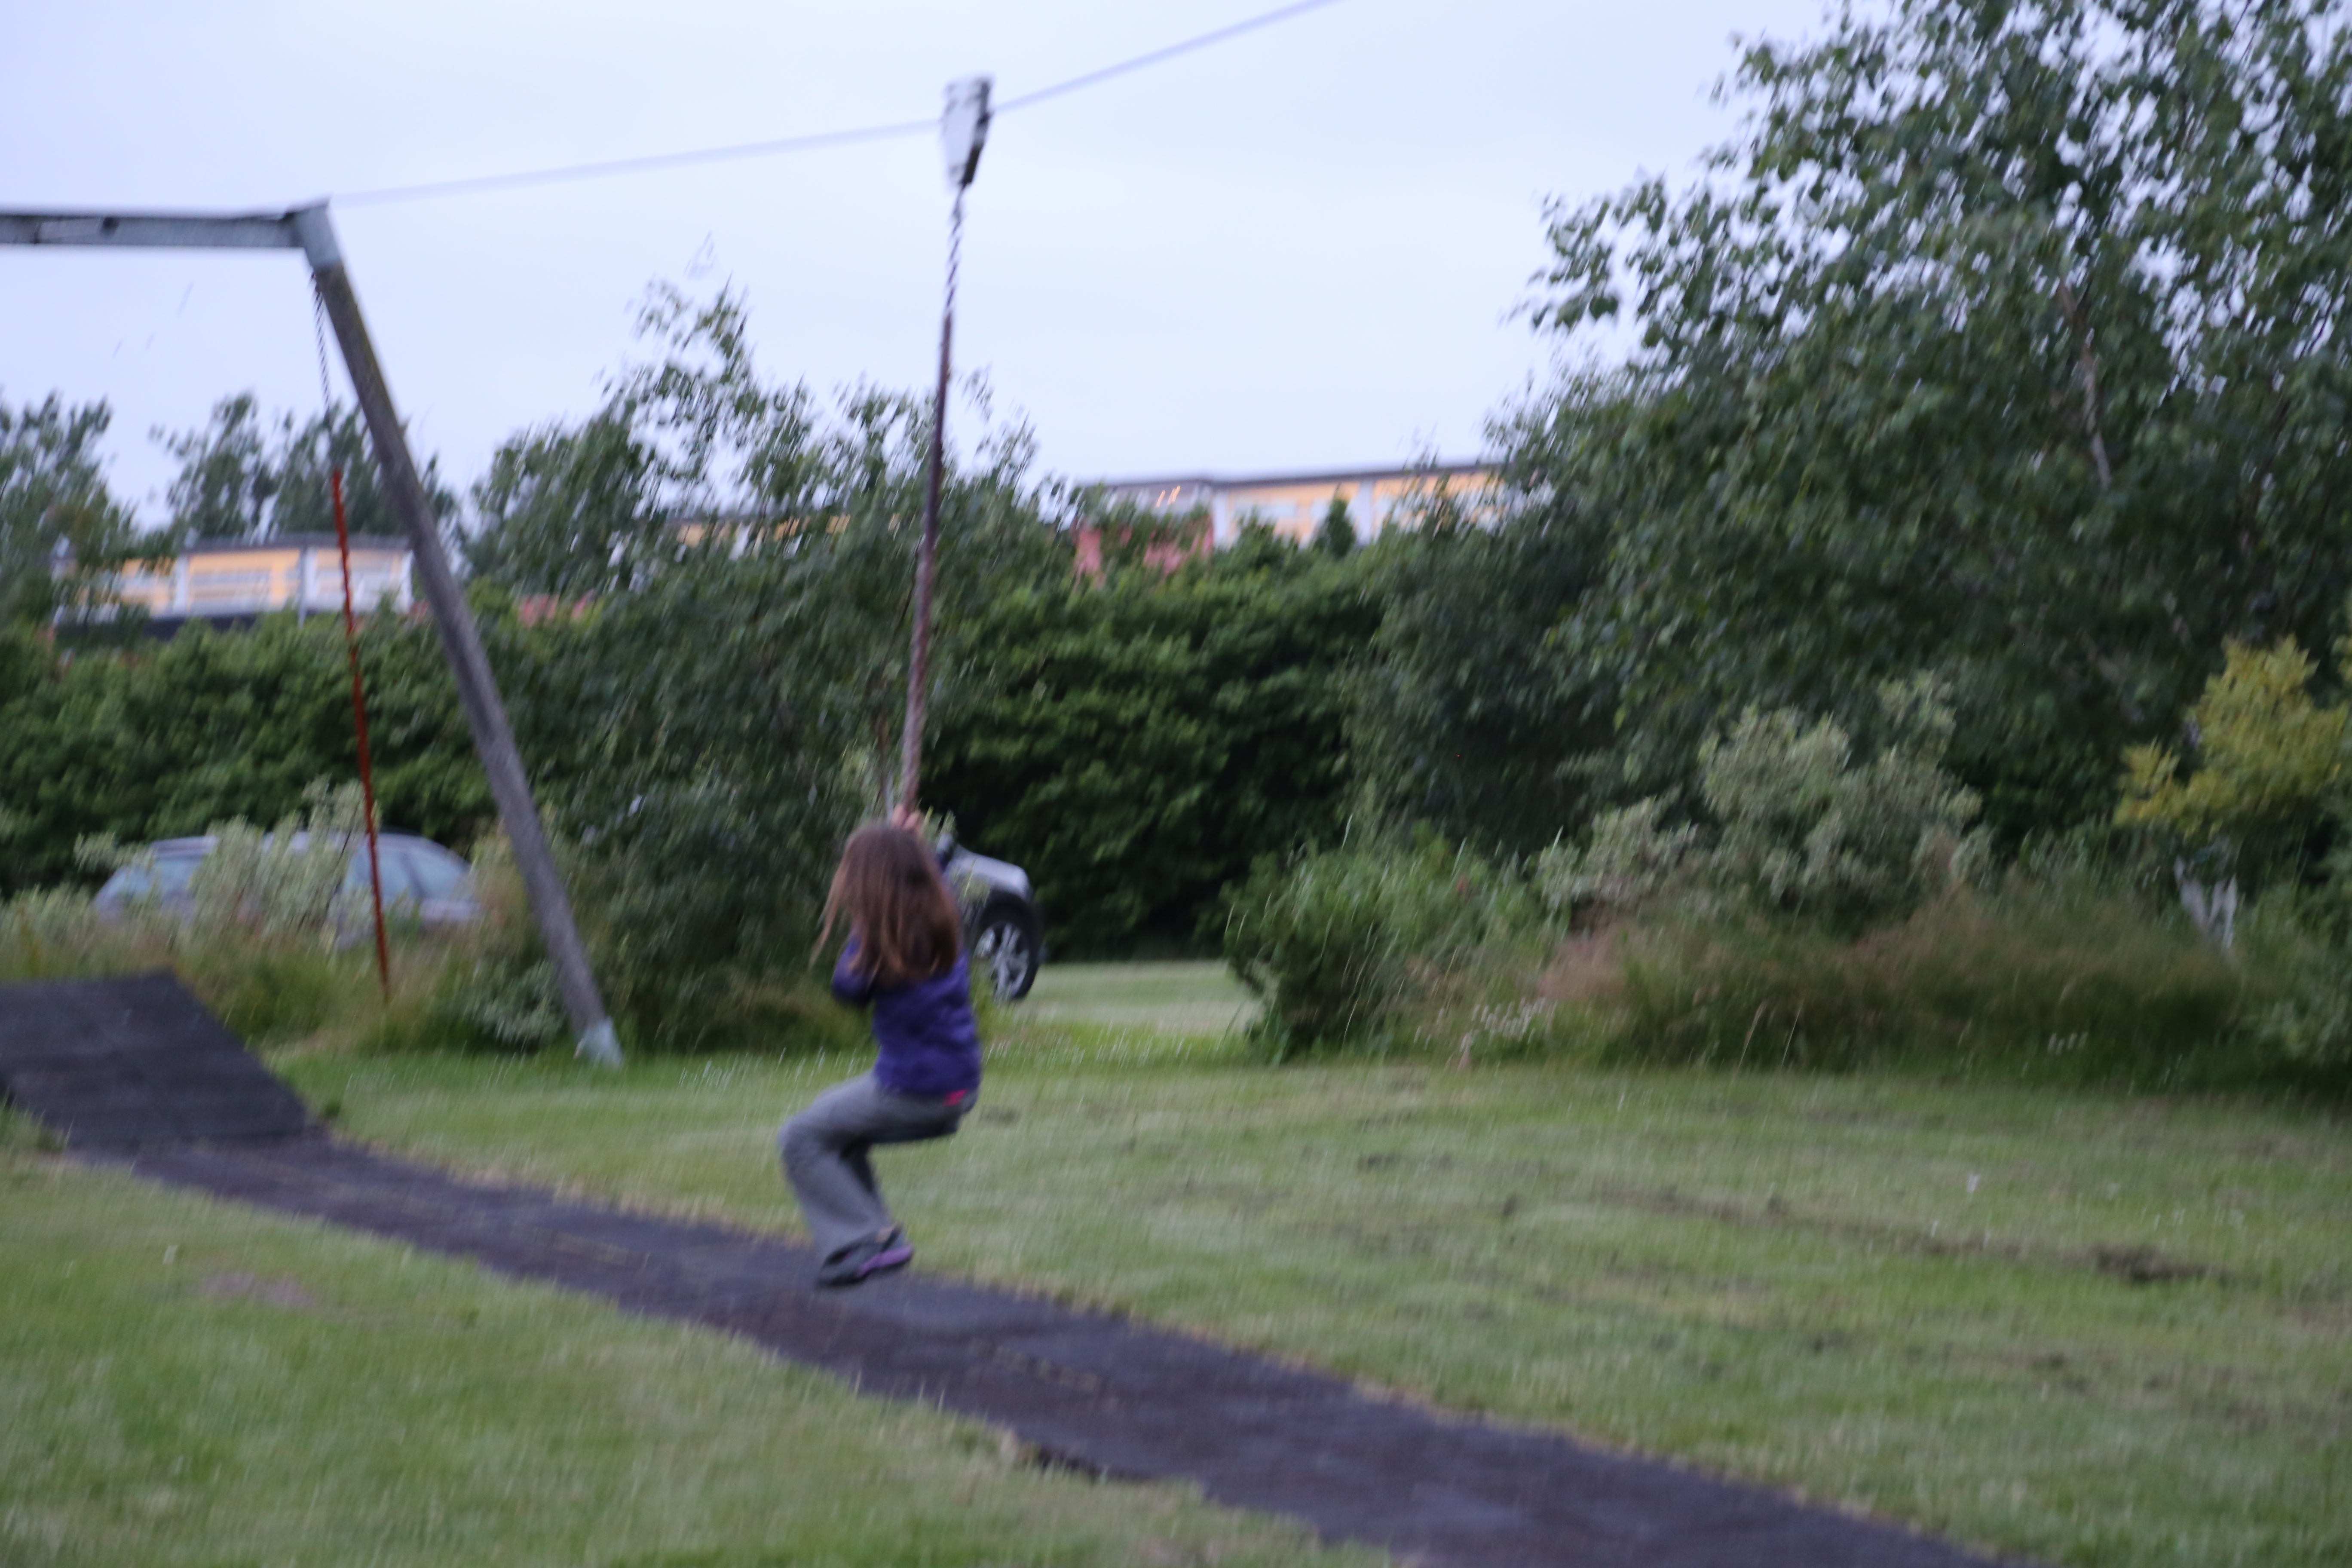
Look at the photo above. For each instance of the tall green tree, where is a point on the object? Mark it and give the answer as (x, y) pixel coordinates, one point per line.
(61, 531)
(724, 698)
(2004, 340)
(1467, 714)
(698, 466)
(227, 478)
(243, 477)
(569, 512)
(1336, 534)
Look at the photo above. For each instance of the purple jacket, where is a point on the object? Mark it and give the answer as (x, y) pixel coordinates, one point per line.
(928, 1042)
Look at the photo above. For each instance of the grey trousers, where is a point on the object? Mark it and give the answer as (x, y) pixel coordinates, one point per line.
(824, 1151)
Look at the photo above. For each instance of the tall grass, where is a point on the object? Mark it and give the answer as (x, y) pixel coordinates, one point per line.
(1340, 943)
(2055, 981)
(267, 987)
(2050, 986)
(485, 989)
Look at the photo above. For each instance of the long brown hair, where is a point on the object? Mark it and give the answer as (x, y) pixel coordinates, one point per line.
(889, 887)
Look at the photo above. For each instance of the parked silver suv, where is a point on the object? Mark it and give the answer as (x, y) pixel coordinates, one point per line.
(422, 881)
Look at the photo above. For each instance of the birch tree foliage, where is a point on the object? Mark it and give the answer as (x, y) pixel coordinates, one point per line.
(2005, 340)
(61, 529)
(2269, 765)
(718, 697)
(246, 477)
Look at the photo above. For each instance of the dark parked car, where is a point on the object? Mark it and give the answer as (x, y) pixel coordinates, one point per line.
(422, 881)
(1002, 925)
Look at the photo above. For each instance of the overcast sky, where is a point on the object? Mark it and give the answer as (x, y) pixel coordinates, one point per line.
(1301, 248)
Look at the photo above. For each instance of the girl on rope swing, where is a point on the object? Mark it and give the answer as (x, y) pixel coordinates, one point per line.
(905, 959)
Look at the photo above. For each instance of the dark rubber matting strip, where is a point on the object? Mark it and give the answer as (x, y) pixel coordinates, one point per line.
(1086, 1389)
(135, 1063)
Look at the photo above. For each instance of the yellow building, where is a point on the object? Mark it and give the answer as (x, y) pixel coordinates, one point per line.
(1294, 505)
(228, 583)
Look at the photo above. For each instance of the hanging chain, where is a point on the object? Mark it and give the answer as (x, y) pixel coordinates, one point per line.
(955, 253)
(326, 395)
(918, 657)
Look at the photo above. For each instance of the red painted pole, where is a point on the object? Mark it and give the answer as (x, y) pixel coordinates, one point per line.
(359, 717)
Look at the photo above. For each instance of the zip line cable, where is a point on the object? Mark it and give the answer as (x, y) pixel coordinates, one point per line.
(1268, 19)
(647, 165)
(651, 162)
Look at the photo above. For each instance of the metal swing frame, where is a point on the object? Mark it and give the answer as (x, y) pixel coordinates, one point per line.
(309, 230)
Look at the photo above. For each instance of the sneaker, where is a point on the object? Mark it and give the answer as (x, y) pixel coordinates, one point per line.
(860, 1261)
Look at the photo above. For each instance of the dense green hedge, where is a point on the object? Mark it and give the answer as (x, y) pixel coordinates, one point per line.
(1136, 742)
(166, 738)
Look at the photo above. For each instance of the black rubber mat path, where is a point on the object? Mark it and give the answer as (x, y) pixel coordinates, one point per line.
(1083, 1389)
(1087, 1390)
(135, 1063)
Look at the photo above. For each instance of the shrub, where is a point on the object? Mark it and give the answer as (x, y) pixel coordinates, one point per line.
(1802, 830)
(691, 733)
(1336, 941)
(55, 934)
(494, 991)
(266, 989)
(294, 880)
(2270, 762)
(2293, 946)
(2269, 779)
(1634, 857)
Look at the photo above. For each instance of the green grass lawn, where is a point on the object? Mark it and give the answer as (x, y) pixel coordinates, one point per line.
(1189, 998)
(184, 1382)
(2083, 1327)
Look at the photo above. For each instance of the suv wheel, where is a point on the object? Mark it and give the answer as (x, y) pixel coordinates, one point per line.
(1007, 943)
